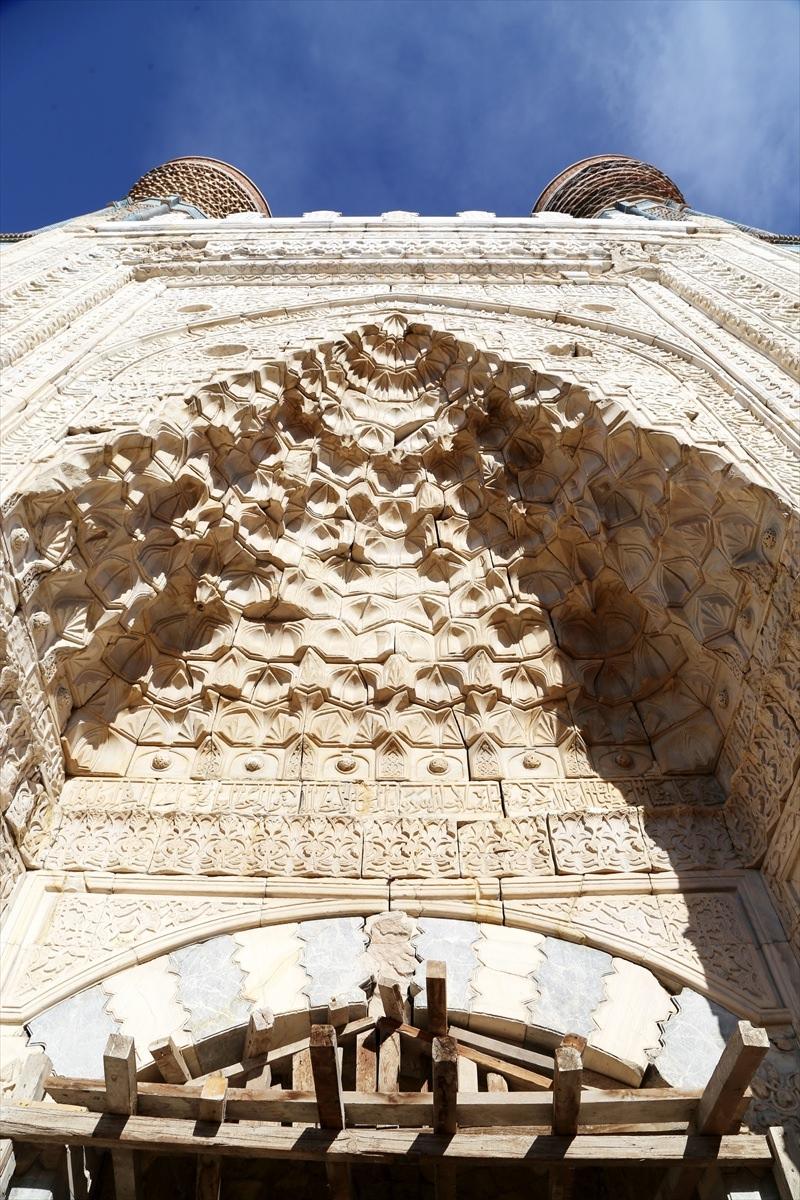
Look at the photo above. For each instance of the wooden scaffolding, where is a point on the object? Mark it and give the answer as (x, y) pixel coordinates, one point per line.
(545, 1110)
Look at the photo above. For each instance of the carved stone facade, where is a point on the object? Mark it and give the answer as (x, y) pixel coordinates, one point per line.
(415, 570)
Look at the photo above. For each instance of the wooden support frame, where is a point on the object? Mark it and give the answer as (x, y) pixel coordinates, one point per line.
(567, 1079)
(50, 1124)
(786, 1163)
(567, 1091)
(119, 1069)
(436, 995)
(259, 1033)
(445, 1085)
(562, 1125)
(238, 1073)
(210, 1110)
(392, 998)
(722, 1103)
(169, 1060)
(518, 1076)
(444, 1054)
(624, 1108)
(330, 1103)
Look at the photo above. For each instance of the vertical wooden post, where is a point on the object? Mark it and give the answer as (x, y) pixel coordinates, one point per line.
(722, 1104)
(302, 1076)
(436, 989)
(213, 1098)
(566, 1090)
(330, 1101)
(389, 1048)
(392, 998)
(338, 1012)
(444, 1053)
(258, 1037)
(119, 1069)
(785, 1162)
(77, 1181)
(327, 1077)
(389, 1057)
(367, 1061)
(567, 1073)
(208, 1178)
(467, 1075)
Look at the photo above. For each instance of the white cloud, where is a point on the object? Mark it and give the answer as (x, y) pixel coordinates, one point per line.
(707, 90)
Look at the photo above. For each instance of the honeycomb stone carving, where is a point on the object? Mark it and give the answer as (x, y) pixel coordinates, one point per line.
(510, 563)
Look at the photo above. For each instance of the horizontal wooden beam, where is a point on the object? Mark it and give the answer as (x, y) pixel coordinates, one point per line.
(507, 1051)
(48, 1124)
(521, 1077)
(626, 1106)
(240, 1072)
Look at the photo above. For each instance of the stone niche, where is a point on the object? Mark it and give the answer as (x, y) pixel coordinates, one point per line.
(394, 559)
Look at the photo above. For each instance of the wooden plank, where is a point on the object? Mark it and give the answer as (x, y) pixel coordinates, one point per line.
(260, 1029)
(339, 1183)
(208, 1178)
(392, 998)
(213, 1099)
(518, 1075)
(627, 1106)
(444, 1181)
(445, 1085)
(722, 1104)
(119, 1070)
(566, 1091)
(338, 1013)
(326, 1066)
(327, 1077)
(260, 1082)
(49, 1124)
(367, 1061)
(36, 1069)
(436, 992)
(389, 1058)
(786, 1162)
(507, 1051)
(303, 1079)
(720, 1107)
(444, 1054)
(567, 1072)
(278, 1056)
(77, 1179)
(495, 1083)
(125, 1164)
(169, 1060)
(467, 1075)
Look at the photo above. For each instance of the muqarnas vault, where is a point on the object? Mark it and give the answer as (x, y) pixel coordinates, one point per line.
(379, 592)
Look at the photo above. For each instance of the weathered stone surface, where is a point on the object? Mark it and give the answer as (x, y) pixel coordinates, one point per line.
(353, 564)
(452, 942)
(693, 1039)
(569, 985)
(332, 956)
(74, 1033)
(210, 985)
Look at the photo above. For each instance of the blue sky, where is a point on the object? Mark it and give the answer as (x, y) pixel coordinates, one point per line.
(363, 106)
